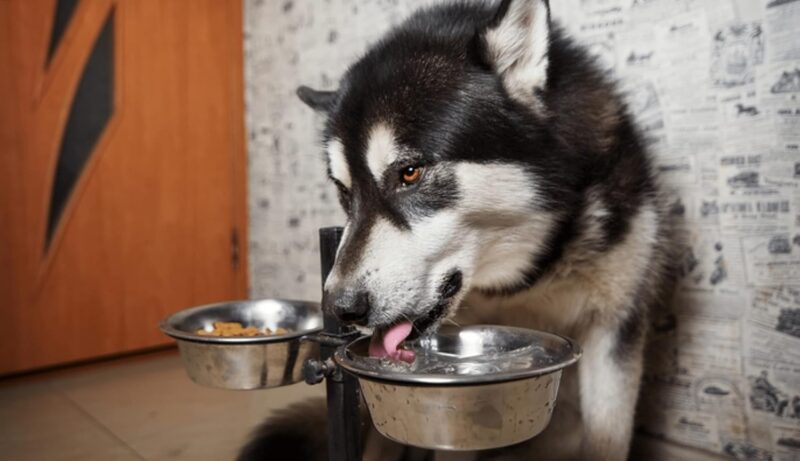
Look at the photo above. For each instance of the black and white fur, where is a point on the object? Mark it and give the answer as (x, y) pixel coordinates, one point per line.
(537, 206)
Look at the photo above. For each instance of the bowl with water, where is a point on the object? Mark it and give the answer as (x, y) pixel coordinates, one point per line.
(468, 388)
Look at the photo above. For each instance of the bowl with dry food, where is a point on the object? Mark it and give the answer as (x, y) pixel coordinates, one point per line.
(471, 388)
(255, 344)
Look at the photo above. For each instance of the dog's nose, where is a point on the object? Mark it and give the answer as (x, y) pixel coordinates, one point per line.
(351, 306)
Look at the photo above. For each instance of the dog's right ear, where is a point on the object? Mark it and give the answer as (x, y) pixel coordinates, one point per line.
(321, 101)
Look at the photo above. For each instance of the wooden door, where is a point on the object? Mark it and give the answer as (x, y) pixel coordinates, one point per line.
(122, 184)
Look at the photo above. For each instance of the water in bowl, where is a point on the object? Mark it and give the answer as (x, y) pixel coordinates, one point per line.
(434, 362)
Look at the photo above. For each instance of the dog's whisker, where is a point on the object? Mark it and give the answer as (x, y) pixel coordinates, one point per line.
(453, 322)
(413, 325)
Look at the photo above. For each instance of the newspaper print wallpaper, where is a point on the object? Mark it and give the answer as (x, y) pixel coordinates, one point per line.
(715, 85)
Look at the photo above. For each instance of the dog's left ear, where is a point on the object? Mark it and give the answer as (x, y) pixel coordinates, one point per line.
(515, 45)
(321, 101)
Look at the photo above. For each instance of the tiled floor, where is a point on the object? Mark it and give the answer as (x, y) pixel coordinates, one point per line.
(146, 408)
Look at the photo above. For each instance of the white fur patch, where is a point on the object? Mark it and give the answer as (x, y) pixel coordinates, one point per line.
(338, 163)
(500, 205)
(607, 393)
(518, 48)
(381, 150)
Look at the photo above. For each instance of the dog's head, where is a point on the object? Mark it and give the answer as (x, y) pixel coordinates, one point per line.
(436, 142)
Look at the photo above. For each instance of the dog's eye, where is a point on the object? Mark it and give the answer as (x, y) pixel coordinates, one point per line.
(410, 175)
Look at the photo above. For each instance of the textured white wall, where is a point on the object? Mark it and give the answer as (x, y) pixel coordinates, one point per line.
(714, 83)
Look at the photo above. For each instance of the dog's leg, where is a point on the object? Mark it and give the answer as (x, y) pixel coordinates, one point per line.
(609, 374)
(299, 431)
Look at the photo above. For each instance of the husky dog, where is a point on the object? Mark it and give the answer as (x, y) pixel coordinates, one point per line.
(490, 173)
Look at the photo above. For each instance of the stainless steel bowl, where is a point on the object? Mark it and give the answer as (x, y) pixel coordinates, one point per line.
(472, 388)
(258, 362)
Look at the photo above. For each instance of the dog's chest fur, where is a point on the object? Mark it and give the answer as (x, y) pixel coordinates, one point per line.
(587, 287)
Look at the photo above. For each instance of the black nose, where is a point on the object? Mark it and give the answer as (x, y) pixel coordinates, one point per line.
(351, 306)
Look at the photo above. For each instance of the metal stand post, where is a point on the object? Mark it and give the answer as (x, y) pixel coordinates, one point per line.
(344, 395)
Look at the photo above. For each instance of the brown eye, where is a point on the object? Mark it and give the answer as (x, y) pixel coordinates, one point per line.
(410, 175)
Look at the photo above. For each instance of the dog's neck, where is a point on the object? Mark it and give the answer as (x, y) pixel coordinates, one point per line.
(578, 290)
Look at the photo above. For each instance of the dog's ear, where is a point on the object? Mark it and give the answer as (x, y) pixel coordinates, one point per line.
(318, 100)
(515, 44)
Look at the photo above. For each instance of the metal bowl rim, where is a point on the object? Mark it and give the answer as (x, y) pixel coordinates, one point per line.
(166, 327)
(437, 383)
(428, 380)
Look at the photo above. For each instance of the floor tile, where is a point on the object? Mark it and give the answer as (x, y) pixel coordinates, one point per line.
(157, 410)
(38, 424)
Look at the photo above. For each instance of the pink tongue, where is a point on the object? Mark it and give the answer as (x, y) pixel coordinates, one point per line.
(386, 345)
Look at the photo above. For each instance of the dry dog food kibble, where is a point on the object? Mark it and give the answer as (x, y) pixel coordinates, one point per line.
(231, 329)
